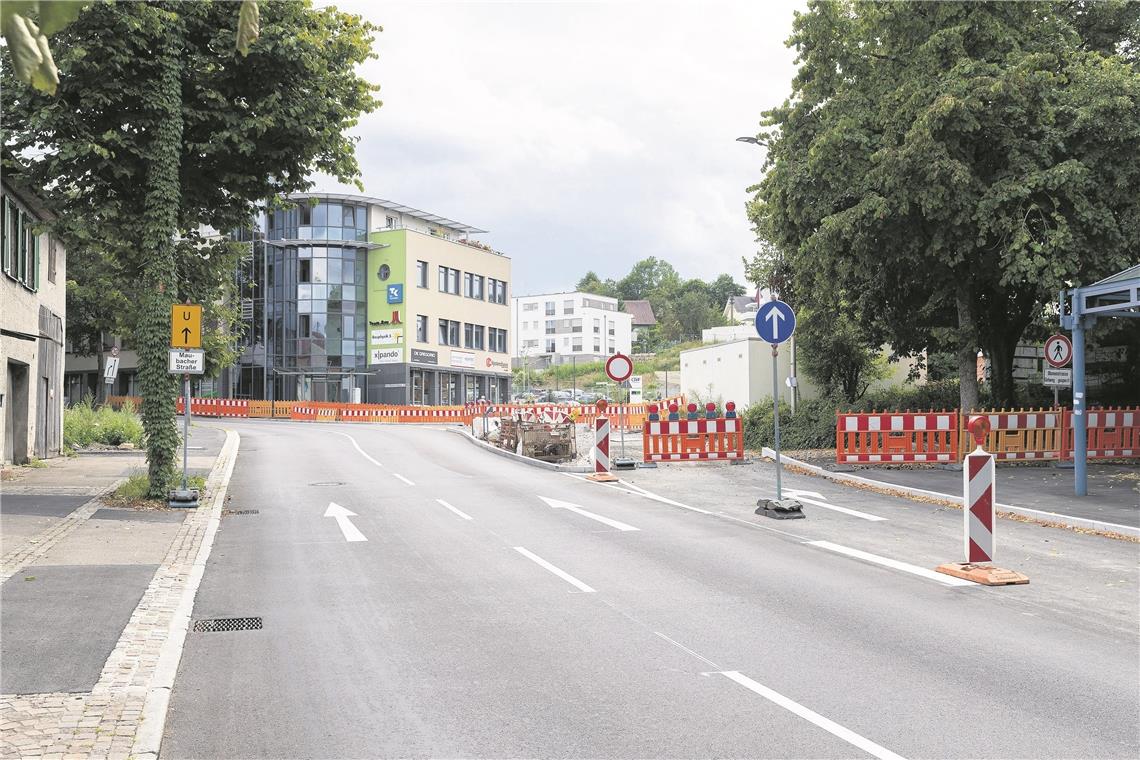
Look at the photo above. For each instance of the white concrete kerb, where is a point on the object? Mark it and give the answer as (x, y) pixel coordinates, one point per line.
(148, 739)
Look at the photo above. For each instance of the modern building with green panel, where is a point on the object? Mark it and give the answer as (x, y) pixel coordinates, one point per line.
(355, 298)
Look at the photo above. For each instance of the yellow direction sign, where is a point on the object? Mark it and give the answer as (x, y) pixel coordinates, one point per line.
(186, 325)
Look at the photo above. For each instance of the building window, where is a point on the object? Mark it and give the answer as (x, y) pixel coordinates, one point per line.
(421, 328)
(421, 272)
(304, 325)
(550, 308)
(550, 327)
(497, 340)
(611, 329)
(473, 285)
(530, 306)
(304, 270)
(473, 336)
(390, 223)
(449, 280)
(448, 332)
(20, 245)
(577, 345)
(576, 325)
(550, 346)
(597, 325)
(53, 245)
(567, 307)
(597, 347)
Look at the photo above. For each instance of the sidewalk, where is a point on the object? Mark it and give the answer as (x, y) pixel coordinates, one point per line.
(90, 595)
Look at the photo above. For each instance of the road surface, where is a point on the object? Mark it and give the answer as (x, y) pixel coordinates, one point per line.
(470, 606)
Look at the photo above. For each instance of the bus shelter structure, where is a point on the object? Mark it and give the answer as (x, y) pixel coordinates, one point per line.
(1115, 296)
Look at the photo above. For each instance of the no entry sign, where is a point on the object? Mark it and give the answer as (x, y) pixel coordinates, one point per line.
(619, 367)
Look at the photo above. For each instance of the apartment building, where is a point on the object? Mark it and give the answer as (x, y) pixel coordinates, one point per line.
(556, 328)
(356, 298)
(33, 300)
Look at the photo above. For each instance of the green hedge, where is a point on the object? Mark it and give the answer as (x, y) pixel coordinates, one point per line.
(83, 425)
(813, 425)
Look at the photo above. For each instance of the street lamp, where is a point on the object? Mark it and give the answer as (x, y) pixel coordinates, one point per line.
(752, 140)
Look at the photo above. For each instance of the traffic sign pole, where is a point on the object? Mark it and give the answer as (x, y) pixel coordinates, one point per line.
(776, 414)
(775, 323)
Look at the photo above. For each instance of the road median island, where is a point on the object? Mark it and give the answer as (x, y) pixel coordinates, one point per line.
(1006, 511)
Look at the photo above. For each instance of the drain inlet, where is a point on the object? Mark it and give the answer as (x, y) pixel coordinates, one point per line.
(221, 625)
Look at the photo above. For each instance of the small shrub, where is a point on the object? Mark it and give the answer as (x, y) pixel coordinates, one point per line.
(136, 486)
(84, 424)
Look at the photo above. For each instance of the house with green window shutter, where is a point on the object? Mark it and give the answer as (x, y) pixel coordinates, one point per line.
(33, 297)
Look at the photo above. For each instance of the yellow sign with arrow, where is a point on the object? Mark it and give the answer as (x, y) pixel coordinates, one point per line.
(186, 325)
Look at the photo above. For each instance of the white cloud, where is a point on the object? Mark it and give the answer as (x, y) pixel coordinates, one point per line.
(582, 135)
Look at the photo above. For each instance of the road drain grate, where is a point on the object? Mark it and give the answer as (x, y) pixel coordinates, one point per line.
(241, 512)
(220, 625)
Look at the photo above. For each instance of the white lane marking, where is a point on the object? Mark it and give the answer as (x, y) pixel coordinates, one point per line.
(922, 572)
(560, 573)
(681, 646)
(811, 716)
(401, 477)
(802, 496)
(556, 504)
(462, 514)
(639, 491)
(341, 515)
(357, 447)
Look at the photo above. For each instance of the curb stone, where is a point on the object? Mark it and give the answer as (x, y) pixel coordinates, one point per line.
(519, 458)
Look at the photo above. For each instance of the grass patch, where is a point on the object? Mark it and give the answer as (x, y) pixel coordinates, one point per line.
(84, 425)
(39, 464)
(136, 486)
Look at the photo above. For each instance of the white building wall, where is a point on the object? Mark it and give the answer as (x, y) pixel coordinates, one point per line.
(529, 317)
(739, 371)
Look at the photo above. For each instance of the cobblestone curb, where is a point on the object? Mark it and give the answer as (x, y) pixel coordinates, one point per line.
(124, 715)
(37, 546)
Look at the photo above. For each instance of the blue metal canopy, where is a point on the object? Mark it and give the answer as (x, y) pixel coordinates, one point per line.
(1115, 296)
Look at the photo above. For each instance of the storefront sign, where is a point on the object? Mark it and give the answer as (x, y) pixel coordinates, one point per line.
(387, 356)
(498, 364)
(387, 337)
(462, 360)
(420, 356)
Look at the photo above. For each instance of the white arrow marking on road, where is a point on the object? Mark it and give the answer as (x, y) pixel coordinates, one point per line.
(774, 316)
(586, 513)
(804, 497)
(341, 515)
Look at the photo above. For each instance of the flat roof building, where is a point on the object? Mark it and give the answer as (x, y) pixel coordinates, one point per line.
(557, 328)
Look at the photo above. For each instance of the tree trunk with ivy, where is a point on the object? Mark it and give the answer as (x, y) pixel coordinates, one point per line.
(159, 225)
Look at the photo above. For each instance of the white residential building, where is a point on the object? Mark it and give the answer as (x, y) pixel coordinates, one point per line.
(557, 328)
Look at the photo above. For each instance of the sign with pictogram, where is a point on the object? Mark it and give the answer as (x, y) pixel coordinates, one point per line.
(186, 325)
(1058, 351)
(619, 367)
(775, 322)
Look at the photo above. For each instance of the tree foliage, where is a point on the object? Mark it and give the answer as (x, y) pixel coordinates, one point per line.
(946, 167)
(160, 126)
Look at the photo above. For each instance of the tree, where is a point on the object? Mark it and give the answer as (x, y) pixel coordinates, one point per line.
(950, 166)
(723, 288)
(647, 276)
(591, 283)
(160, 126)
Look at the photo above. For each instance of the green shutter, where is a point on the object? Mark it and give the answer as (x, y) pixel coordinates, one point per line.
(36, 263)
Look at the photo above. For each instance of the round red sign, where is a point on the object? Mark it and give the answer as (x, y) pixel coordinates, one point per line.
(619, 367)
(1058, 351)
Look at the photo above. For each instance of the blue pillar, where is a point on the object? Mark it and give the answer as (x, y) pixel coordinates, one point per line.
(1080, 416)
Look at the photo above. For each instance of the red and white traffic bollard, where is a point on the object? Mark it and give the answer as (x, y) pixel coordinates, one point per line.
(979, 503)
(978, 491)
(602, 472)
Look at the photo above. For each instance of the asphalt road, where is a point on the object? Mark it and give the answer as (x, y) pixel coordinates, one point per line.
(497, 610)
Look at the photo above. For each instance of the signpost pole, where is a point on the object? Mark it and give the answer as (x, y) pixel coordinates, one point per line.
(185, 428)
(776, 414)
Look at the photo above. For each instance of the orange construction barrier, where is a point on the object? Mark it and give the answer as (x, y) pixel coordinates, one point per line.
(1112, 434)
(692, 439)
(1020, 435)
(881, 438)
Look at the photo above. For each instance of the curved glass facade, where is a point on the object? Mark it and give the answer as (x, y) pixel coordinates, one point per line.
(327, 220)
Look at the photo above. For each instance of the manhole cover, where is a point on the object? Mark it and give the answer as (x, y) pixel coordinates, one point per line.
(221, 625)
(327, 483)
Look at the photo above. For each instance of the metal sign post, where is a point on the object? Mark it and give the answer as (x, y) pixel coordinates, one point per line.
(619, 368)
(775, 323)
(186, 358)
(1058, 354)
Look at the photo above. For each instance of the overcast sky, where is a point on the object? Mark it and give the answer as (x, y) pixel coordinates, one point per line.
(582, 135)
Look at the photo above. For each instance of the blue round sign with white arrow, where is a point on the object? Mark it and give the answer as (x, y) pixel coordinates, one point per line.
(775, 321)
